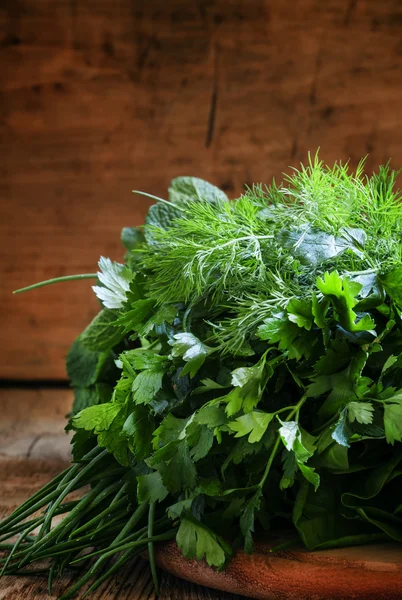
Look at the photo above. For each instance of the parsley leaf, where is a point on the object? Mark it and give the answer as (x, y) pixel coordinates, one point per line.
(192, 350)
(151, 488)
(116, 280)
(195, 540)
(253, 424)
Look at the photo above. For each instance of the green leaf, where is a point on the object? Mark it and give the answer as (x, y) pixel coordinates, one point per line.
(180, 473)
(132, 237)
(147, 384)
(343, 294)
(342, 431)
(393, 422)
(82, 442)
(116, 279)
(160, 215)
(309, 474)
(138, 429)
(319, 308)
(102, 333)
(85, 367)
(249, 385)
(192, 350)
(188, 189)
(201, 439)
(290, 338)
(89, 396)
(163, 314)
(392, 283)
(142, 358)
(171, 429)
(176, 510)
(197, 541)
(114, 440)
(343, 386)
(289, 431)
(313, 247)
(247, 519)
(211, 415)
(253, 424)
(302, 445)
(151, 488)
(289, 469)
(134, 319)
(300, 312)
(362, 412)
(97, 418)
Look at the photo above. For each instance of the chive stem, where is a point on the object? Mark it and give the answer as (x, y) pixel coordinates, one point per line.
(56, 280)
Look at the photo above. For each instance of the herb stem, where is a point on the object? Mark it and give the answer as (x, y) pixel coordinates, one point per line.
(56, 280)
(274, 451)
(151, 548)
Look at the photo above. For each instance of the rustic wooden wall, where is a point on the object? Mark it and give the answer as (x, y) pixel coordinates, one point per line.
(102, 96)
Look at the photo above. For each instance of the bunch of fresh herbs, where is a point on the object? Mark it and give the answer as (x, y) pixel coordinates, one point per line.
(242, 377)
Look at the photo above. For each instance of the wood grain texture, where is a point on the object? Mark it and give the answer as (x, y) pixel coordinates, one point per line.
(33, 449)
(356, 573)
(102, 96)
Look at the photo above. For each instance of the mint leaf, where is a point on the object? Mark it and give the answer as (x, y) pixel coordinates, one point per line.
(86, 367)
(116, 280)
(102, 333)
(197, 541)
(132, 237)
(89, 396)
(188, 189)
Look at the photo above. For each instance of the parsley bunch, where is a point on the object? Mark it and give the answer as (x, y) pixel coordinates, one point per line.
(242, 377)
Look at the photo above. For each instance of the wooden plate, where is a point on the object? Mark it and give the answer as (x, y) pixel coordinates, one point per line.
(357, 573)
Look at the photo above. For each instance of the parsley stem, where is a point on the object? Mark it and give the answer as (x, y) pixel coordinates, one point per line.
(151, 548)
(295, 410)
(56, 280)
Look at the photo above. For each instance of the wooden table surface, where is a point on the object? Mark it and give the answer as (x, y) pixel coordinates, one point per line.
(33, 449)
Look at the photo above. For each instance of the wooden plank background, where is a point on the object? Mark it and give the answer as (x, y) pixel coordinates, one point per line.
(102, 96)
